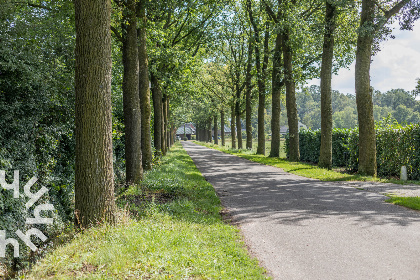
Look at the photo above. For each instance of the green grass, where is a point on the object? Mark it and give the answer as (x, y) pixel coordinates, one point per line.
(302, 169)
(409, 202)
(228, 145)
(178, 233)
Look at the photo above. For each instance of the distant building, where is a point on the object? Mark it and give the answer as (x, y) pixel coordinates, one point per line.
(219, 132)
(284, 129)
(187, 129)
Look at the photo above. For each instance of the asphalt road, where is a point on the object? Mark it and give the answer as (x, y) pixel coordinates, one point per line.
(300, 228)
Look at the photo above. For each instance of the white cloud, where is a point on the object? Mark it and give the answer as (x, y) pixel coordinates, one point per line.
(395, 66)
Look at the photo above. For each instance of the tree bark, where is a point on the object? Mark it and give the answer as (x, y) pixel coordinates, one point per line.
(222, 127)
(157, 112)
(367, 137)
(248, 88)
(260, 77)
(325, 155)
(232, 125)
(144, 91)
(216, 140)
(164, 123)
(292, 117)
(94, 176)
(131, 99)
(276, 93)
(209, 130)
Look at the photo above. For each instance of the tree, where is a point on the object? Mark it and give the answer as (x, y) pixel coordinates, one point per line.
(144, 89)
(373, 18)
(131, 99)
(94, 178)
(261, 73)
(325, 155)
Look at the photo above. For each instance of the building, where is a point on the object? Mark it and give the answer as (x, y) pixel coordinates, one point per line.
(187, 129)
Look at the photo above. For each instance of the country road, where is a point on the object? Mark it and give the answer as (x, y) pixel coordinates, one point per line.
(300, 228)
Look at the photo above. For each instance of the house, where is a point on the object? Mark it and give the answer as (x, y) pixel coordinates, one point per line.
(187, 129)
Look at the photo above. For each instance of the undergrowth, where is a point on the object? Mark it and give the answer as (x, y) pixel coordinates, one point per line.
(173, 230)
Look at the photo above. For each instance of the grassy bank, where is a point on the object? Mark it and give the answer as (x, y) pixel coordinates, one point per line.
(174, 231)
(409, 202)
(302, 169)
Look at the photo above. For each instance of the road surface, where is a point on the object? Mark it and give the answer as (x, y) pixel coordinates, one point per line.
(300, 228)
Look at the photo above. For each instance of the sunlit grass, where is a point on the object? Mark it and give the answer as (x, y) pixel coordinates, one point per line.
(409, 202)
(302, 169)
(176, 233)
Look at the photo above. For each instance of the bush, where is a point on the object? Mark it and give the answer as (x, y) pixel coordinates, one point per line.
(395, 146)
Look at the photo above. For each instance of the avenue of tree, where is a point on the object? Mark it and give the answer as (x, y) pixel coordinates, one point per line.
(141, 68)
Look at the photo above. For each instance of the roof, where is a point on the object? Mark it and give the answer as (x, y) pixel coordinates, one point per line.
(189, 129)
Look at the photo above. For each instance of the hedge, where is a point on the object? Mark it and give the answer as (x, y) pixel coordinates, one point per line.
(395, 146)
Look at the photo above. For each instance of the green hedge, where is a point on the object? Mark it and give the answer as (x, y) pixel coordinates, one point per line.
(395, 145)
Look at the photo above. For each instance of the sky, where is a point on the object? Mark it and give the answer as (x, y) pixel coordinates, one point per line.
(397, 65)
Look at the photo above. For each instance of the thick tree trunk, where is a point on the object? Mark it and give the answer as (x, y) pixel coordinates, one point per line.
(144, 91)
(367, 137)
(222, 127)
(131, 99)
(216, 140)
(275, 105)
(292, 115)
(248, 105)
(94, 175)
(157, 115)
(325, 155)
(232, 125)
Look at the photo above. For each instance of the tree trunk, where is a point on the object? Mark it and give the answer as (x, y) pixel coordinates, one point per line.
(94, 175)
(292, 115)
(275, 105)
(168, 125)
(261, 94)
(367, 137)
(131, 99)
(209, 130)
(232, 125)
(260, 77)
(164, 123)
(248, 105)
(157, 115)
(216, 140)
(144, 91)
(222, 127)
(325, 155)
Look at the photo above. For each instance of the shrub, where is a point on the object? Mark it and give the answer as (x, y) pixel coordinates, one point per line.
(395, 146)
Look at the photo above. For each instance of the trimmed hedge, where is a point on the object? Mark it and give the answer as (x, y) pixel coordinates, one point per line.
(395, 146)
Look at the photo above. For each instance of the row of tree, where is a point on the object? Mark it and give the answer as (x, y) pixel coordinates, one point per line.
(295, 41)
(197, 59)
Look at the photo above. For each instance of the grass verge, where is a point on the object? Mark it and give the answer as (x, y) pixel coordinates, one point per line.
(174, 231)
(302, 169)
(409, 202)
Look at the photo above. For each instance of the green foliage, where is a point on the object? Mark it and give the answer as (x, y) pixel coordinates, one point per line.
(36, 107)
(396, 146)
(178, 233)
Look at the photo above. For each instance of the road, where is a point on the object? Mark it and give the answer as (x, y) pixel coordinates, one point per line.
(300, 228)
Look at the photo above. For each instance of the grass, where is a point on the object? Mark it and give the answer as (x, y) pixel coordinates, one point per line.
(174, 231)
(302, 169)
(409, 202)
